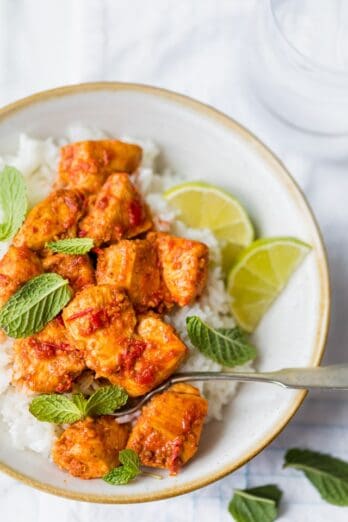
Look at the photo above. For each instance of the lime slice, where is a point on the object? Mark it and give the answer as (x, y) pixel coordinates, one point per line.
(260, 274)
(202, 205)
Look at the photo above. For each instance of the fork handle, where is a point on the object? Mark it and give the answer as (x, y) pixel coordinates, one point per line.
(334, 377)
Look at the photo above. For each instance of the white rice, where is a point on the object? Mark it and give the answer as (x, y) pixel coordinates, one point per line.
(25, 431)
(37, 160)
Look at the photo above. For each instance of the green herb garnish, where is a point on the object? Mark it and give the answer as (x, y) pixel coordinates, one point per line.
(55, 408)
(256, 504)
(128, 471)
(106, 400)
(327, 474)
(76, 245)
(13, 202)
(61, 409)
(79, 400)
(34, 305)
(226, 346)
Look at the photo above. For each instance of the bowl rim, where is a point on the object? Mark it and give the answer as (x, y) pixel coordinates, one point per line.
(296, 193)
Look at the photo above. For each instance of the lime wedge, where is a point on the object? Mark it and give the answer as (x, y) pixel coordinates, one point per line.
(201, 205)
(260, 274)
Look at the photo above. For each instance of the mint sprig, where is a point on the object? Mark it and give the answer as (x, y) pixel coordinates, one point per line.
(328, 474)
(106, 400)
(34, 305)
(80, 402)
(127, 472)
(55, 408)
(226, 346)
(255, 504)
(73, 246)
(13, 202)
(60, 409)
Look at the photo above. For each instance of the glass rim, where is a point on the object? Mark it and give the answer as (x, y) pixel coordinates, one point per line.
(314, 66)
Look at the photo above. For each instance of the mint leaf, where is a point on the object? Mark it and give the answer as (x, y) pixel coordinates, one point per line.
(129, 470)
(55, 408)
(13, 202)
(61, 409)
(226, 346)
(256, 504)
(130, 459)
(76, 245)
(106, 400)
(327, 474)
(34, 305)
(80, 401)
(119, 476)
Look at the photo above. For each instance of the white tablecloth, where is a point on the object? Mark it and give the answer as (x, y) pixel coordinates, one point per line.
(194, 47)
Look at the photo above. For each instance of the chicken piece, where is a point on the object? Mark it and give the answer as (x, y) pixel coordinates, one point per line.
(167, 433)
(89, 448)
(118, 212)
(132, 265)
(55, 217)
(150, 357)
(77, 269)
(47, 361)
(100, 318)
(86, 164)
(18, 265)
(184, 266)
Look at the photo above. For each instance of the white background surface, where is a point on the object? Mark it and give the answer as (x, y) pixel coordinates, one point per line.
(195, 47)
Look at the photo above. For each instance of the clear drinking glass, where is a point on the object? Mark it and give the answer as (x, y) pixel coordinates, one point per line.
(297, 64)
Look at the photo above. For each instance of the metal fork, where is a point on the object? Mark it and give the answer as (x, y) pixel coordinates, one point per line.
(333, 377)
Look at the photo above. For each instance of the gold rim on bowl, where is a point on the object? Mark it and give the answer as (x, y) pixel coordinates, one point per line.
(291, 186)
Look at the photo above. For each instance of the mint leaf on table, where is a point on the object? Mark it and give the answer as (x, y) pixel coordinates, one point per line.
(55, 408)
(226, 346)
(61, 409)
(328, 475)
(74, 246)
(256, 504)
(13, 202)
(128, 471)
(34, 305)
(106, 400)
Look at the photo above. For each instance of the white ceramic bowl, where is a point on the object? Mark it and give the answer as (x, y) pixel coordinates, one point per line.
(199, 141)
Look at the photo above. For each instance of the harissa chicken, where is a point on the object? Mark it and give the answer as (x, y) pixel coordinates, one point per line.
(113, 325)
